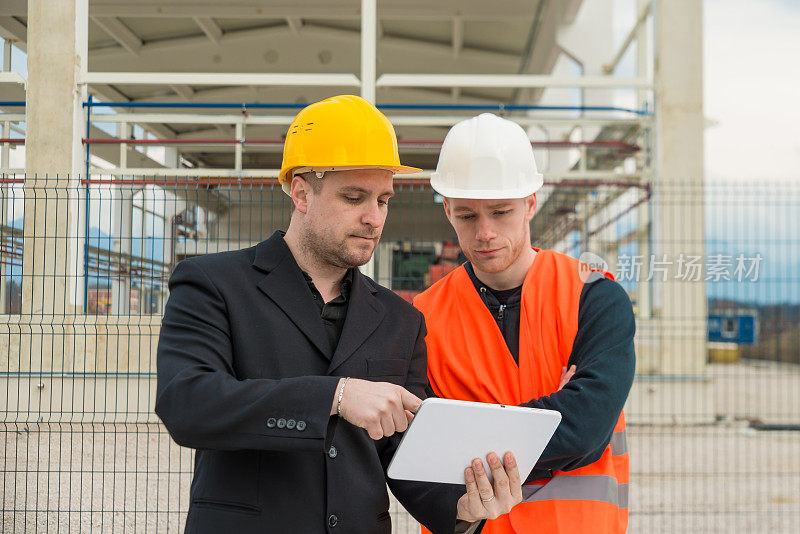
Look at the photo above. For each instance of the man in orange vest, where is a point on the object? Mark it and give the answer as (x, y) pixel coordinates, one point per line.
(503, 327)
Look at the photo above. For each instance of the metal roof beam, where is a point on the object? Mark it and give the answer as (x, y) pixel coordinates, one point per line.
(329, 9)
(222, 78)
(397, 120)
(111, 52)
(458, 36)
(502, 59)
(210, 28)
(507, 80)
(120, 33)
(184, 91)
(295, 24)
(109, 93)
(13, 77)
(13, 30)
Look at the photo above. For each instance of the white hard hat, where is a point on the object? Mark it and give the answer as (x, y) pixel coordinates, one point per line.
(486, 157)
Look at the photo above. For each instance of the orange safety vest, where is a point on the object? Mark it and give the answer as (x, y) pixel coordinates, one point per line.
(468, 359)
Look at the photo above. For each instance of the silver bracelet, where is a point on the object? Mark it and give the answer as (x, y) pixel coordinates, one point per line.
(339, 401)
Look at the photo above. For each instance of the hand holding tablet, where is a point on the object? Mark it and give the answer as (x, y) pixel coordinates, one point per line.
(446, 435)
(484, 500)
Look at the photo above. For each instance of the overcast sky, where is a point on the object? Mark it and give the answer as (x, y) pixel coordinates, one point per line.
(752, 83)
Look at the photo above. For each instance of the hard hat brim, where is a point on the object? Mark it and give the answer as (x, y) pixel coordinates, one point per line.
(485, 194)
(286, 178)
(401, 169)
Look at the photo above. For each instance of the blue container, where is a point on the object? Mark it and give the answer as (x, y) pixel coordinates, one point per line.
(732, 328)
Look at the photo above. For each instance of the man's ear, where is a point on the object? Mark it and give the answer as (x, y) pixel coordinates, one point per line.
(300, 193)
(530, 207)
(446, 206)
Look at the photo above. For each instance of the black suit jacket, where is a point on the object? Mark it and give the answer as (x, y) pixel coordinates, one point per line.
(246, 377)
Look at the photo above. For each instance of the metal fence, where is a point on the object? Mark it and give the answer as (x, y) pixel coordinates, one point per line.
(714, 417)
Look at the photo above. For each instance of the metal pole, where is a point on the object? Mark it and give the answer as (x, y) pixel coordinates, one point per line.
(122, 131)
(369, 36)
(86, 216)
(286, 119)
(644, 211)
(6, 124)
(4, 196)
(635, 33)
(237, 159)
(7, 55)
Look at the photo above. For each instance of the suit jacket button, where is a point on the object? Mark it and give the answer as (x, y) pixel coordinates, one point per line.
(290, 424)
(301, 425)
(332, 452)
(281, 423)
(271, 422)
(333, 520)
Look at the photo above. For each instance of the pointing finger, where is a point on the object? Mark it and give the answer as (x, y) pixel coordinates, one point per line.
(410, 401)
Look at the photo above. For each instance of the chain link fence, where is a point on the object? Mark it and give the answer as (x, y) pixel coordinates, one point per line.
(714, 416)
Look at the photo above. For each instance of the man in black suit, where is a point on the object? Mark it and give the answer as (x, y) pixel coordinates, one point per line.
(292, 373)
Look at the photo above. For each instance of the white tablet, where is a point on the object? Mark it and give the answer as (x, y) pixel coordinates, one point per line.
(446, 435)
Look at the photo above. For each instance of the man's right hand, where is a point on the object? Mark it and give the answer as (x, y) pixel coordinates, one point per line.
(380, 408)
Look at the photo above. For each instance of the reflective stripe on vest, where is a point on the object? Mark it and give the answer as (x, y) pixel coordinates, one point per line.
(468, 359)
(619, 443)
(583, 488)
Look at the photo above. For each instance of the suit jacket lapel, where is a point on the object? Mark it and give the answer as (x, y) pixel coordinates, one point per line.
(285, 286)
(364, 314)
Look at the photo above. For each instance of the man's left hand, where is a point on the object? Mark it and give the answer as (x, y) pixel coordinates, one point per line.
(484, 500)
(566, 375)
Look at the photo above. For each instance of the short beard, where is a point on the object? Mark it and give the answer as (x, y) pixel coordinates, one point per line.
(515, 250)
(335, 254)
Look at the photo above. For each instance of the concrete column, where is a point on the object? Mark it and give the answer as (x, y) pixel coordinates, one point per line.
(121, 229)
(679, 181)
(53, 256)
(671, 386)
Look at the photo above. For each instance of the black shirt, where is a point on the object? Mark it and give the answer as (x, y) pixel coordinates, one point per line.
(505, 308)
(333, 312)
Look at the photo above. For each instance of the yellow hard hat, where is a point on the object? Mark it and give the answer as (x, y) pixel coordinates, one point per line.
(338, 133)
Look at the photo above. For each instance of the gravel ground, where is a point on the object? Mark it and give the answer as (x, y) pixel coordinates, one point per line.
(725, 477)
